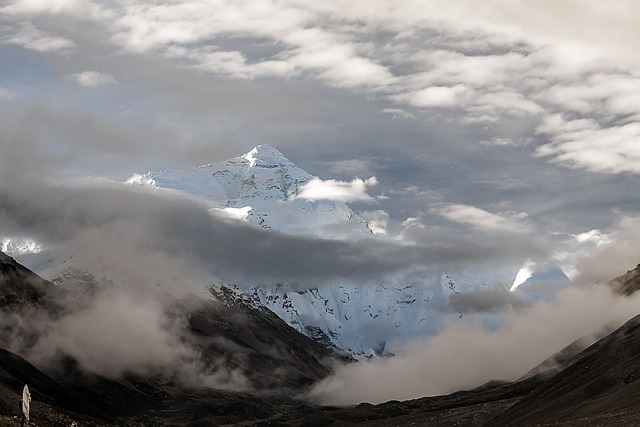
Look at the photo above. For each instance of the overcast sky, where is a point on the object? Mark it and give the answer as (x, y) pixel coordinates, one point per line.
(467, 132)
(473, 117)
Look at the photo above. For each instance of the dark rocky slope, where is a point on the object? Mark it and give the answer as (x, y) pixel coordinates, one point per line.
(629, 282)
(602, 384)
(596, 386)
(229, 329)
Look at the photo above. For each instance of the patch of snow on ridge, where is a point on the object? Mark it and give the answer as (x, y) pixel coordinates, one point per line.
(537, 275)
(523, 275)
(264, 154)
(144, 179)
(19, 246)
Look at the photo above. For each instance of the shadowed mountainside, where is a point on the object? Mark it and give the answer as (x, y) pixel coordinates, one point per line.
(627, 283)
(601, 385)
(595, 386)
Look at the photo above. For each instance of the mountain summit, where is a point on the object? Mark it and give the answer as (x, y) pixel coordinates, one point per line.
(261, 187)
(264, 154)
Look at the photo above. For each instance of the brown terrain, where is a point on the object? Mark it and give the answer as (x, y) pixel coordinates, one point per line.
(597, 386)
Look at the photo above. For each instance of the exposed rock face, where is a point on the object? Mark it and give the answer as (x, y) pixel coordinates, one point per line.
(262, 187)
(602, 384)
(228, 331)
(269, 353)
(18, 285)
(599, 386)
(629, 282)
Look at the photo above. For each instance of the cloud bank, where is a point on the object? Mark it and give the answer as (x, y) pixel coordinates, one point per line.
(493, 64)
(465, 354)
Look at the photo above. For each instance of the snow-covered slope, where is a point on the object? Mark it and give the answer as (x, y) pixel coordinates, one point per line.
(364, 320)
(261, 187)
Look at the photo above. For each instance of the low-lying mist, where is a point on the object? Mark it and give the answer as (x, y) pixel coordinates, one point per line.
(113, 329)
(156, 246)
(466, 353)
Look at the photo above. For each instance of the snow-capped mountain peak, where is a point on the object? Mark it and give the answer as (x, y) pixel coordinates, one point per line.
(264, 154)
(262, 184)
(262, 187)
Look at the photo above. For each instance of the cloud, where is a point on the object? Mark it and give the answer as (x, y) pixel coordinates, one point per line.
(92, 78)
(614, 253)
(162, 240)
(177, 31)
(499, 141)
(399, 113)
(114, 334)
(357, 166)
(128, 323)
(481, 219)
(84, 9)
(57, 138)
(493, 300)
(508, 103)
(32, 38)
(5, 93)
(413, 222)
(377, 221)
(435, 96)
(341, 191)
(465, 354)
(584, 144)
(487, 67)
(600, 94)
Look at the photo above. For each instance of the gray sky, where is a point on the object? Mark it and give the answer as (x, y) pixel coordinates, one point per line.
(476, 120)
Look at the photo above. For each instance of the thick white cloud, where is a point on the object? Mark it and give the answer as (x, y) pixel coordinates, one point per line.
(435, 96)
(616, 251)
(585, 144)
(599, 94)
(341, 191)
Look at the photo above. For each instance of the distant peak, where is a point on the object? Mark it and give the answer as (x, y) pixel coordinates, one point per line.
(265, 154)
(265, 150)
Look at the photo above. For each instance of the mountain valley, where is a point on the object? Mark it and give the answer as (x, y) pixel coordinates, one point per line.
(251, 354)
